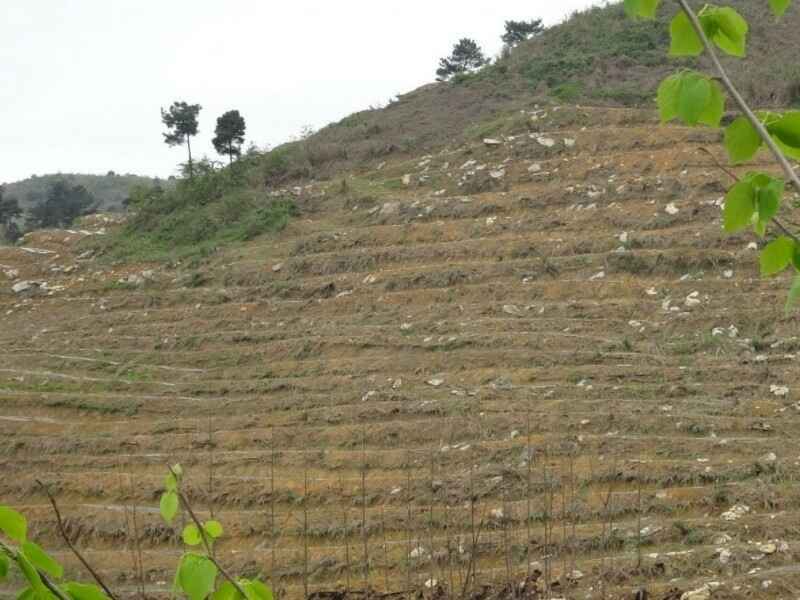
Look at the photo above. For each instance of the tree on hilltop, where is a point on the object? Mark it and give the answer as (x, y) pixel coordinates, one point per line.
(519, 31)
(466, 56)
(181, 120)
(229, 134)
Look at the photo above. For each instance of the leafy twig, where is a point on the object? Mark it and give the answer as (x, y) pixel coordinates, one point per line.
(745, 108)
(204, 536)
(54, 589)
(69, 543)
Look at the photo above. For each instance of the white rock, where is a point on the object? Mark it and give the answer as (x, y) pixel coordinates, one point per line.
(406, 180)
(569, 142)
(779, 390)
(22, 286)
(600, 275)
(735, 513)
(498, 174)
(276, 268)
(546, 142)
(431, 583)
(497, 513)
(417, 552)
(435, 382)
(671, 209)
(768, 548)
(703, 593)
(511, 309)
(728, 274)
(693, 299)
(492, 142)
(11, 274)
(535, 168)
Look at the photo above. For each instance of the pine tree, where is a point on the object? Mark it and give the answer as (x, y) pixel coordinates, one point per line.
(466, 56)
(229, 134)
(181, 120)
(519, 31)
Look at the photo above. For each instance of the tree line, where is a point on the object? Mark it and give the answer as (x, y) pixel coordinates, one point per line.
(467, 56)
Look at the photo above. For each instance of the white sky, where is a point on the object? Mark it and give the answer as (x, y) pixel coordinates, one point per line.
(82, 81)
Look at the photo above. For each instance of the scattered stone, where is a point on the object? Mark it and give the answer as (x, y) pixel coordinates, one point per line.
(23, 286)
(546, 142)
(735, 513)
(512, 309)
(693, 300)
(779, 390)
(369, 279)
(492, 142)
(11, 274)
(390, 208)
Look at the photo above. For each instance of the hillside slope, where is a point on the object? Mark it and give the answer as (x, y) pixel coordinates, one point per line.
(597, 57)
(564, 369)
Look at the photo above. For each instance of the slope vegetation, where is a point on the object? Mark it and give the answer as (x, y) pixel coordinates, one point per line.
(538, 359)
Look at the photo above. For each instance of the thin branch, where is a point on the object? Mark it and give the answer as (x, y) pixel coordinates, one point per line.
(69, 543)
(740, 101)
(719, 165)
(204, 537)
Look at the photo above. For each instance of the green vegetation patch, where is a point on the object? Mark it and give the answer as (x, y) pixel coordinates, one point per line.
(214, 208)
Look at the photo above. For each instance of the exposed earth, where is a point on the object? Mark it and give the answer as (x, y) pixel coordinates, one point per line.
(540, 351)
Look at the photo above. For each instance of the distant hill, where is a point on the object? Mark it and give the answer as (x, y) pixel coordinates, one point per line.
(597, 57)
(111, 189)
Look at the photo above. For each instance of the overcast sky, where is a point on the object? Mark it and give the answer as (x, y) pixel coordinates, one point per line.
(82, 81)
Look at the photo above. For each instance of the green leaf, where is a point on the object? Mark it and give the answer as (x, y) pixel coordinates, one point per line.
(794, 294)
(13, 524)
(742, 141)
(779, 7)
(4, 564)
(786, 131)
(644, 9)
(170, 483)
(668, 93)
(196, 576)
(213, 529)
(739, 207)
(685, 41)
(769, 199)
(227, 592)
(32, 575)
(80, 591)
(726, 28)
(41, 560)
(255, 590)
(169, 506)
(715, 109)
(27, 594)
(777, 256)
(694, 97)
(191, 535)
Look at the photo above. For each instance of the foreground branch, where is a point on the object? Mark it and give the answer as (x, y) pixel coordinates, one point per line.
(204, 536)
(12, 554)
(72, 547)
(740, 101)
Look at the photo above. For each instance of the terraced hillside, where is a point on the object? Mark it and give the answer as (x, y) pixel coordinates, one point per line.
(535, 359)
